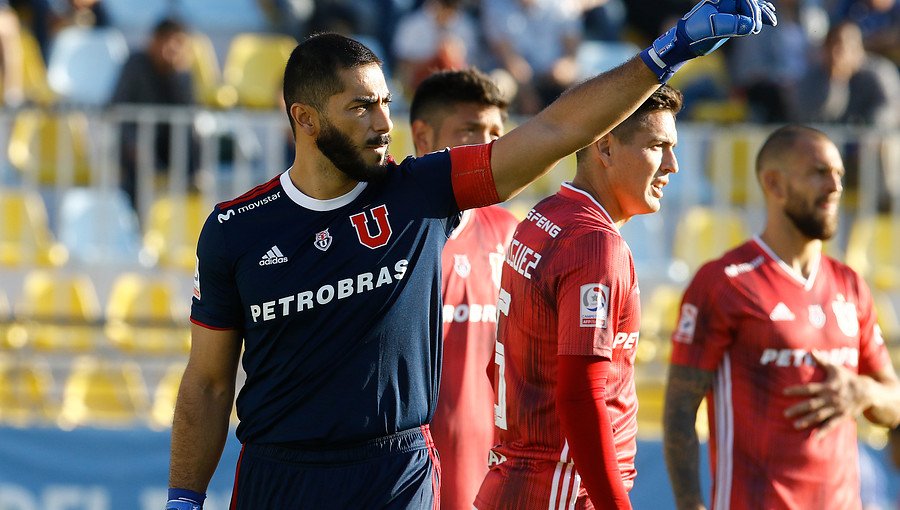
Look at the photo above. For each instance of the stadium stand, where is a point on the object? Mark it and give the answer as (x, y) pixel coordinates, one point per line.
(51, 148)
(872, 249)
(25, 392)
(143, 317)
(207, 74)
(254, 68)
(164, 397)
(705, 233)
(99, 227)
(172, 228)
(57, 312)
(84, 64)
(34, 71)
(101, 393)
(25, 235)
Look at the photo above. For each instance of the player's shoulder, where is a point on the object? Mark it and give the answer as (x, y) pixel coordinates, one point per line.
(735, 263)
(256, 198)
(839, 269)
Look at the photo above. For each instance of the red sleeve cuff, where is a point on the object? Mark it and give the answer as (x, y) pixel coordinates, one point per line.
(472, 177)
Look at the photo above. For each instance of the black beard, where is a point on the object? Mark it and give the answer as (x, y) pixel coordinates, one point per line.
(340, 150)
(808, 224)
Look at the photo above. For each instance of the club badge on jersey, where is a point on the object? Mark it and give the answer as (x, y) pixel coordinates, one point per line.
(323, 240)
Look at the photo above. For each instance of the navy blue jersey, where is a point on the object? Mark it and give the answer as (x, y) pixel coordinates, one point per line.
(338, 300)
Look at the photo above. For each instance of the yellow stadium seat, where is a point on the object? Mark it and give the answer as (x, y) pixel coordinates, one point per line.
(731, 166)
(872, 250)
(659, 315)
(53, 148)
(254, 68)
(142, 317)
(650, 396)
(887, 316)
(164, 397)
(25, 237)
(205, 70)
(5, 319)
(34, 71)
(25, 392)
(705, 233)
(172, 228)
(57, 312)
(103, 393)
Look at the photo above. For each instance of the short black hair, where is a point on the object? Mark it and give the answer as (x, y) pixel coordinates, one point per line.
(665, 98)
(782, 140)
(168, 26)
(446, 89)
(311, 73)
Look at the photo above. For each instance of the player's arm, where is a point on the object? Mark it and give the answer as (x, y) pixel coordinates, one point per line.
(589, 110)
(845, 394)
(203, 407)
(585, 422)
(685, 389)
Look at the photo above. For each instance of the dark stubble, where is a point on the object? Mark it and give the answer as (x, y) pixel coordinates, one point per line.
(340, 150)
(803, 216)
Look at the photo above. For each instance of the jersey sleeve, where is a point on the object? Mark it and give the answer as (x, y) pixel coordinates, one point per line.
(704, 330)
(216, 303)
(473, 179)
(873, 353)
(591, 291)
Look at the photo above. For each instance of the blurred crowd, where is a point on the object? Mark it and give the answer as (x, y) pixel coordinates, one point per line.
(829, 61)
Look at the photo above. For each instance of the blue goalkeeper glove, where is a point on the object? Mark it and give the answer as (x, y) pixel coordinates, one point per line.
(706, 27)
(184, 499)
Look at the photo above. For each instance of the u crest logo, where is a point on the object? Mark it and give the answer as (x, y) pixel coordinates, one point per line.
(382, 227)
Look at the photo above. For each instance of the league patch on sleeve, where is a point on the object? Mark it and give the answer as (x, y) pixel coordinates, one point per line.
(197, 279)
(687, 324)
(594, 305)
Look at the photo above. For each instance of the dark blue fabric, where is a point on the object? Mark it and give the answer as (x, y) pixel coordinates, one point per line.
(362, 362)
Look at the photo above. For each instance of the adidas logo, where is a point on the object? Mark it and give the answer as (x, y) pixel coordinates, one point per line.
(781, 313)
(272, 257)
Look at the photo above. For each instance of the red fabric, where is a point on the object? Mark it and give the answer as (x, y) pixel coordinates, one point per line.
(237, 472)
(472, 177)
(586, 424)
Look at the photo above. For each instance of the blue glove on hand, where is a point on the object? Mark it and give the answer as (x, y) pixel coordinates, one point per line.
(183, 499)
(706, 27)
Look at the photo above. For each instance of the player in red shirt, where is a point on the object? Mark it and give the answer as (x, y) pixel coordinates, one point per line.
(453, 108)
(782, 340)
(568, 329)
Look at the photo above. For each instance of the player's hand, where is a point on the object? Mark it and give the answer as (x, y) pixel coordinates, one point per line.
(842, 394)
(706, 27)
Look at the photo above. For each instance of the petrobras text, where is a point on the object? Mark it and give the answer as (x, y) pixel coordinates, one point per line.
(309, 299)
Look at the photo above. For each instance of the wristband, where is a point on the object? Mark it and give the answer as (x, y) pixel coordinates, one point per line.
(185, 499)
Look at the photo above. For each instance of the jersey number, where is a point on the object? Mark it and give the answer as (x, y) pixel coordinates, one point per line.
(500, 406)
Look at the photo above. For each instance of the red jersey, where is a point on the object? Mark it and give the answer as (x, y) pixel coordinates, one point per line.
(463, 424)
(568, 288)
(753, 320)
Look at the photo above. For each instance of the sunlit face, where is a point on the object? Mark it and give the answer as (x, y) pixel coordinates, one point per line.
(468, 124)
(813, 188)
(640, 167)
(356, 124)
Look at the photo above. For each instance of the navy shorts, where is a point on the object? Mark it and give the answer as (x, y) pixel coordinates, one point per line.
(396, 472)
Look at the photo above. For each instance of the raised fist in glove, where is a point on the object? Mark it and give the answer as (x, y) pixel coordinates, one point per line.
(706, 27)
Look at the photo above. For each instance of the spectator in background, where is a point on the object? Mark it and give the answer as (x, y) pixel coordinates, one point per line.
(437, 36)
(847, 85)
(10, 56)
(767, 69)
(535, 41)
(879, 22)
(158, 75)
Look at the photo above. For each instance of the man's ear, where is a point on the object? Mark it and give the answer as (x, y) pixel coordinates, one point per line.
(771, 181)
(306, 119)
(603, 149)
(423, 136)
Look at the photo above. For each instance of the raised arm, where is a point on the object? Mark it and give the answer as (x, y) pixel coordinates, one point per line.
(684, 391)
(203, 408)
(589, 110)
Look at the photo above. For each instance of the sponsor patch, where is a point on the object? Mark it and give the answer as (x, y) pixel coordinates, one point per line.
(461, 265)
(197, 278)
(594, 305)
(687, 324)
(323, 240)
(845, 313)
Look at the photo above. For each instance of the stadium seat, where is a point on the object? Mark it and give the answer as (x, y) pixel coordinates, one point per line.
(164, 397)
(5, 320)
(143, 317)
(888, 319)
(254, 68)
(25, 392)
(103, 393)
(872, 250)
(659, 316)
(595, 57)
(172, 228)
(51, 148)
(34, 71)
(651, 394)
(705, 233)
(206, 73)
(99, 227)
(84, 64)
(57, 311)
(731, 167)
(25, 236)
